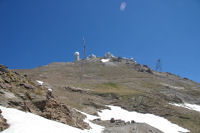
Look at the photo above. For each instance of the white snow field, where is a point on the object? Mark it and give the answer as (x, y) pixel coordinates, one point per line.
(24, 122)
(155, 121)
(105, 60)
(188, 106)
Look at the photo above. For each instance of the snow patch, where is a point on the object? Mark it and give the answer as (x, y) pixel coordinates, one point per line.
(49, 89)
(155, 121)
(105, 60)
(23, 122)
(46, 85)
(173, 87)
(188, 106)
(39, 82)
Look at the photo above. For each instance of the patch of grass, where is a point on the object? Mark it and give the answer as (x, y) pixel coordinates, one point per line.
(150, 85)
(135, 95)
(110, 87)
(194, 93)
(107, 85)
(38, 91)
(77, 106)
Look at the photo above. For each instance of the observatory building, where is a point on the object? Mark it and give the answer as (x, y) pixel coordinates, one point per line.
(76, 54)
(108, 55)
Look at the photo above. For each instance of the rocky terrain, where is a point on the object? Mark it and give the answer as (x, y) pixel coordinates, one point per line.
(3, 123)
(91, 84)
(18, 91)
(119, 126)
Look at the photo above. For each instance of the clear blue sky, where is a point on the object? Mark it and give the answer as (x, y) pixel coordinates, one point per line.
(38, 32)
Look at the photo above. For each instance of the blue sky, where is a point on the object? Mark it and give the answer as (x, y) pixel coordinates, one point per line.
(38, 32)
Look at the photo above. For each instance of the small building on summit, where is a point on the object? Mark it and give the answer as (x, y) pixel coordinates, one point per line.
(92, 56)
(108, 55)
(76, 54)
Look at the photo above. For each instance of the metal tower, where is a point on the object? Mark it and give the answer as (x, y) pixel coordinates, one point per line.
(158, 66)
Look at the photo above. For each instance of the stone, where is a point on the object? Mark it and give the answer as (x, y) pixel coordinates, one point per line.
(28, 86)
(5, 85)
(21, 95)
(112, 120)
(132, 121)
(7, 80)
(1, 80)
(40, 104)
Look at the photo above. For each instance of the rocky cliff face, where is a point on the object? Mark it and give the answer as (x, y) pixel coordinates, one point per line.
(18, 91)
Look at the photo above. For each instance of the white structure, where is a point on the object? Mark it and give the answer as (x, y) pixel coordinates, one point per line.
(77, 56)
(108, 55)
(92, 56)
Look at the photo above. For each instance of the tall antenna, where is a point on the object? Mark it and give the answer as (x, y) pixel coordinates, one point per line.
(84, 47)
(158, 65)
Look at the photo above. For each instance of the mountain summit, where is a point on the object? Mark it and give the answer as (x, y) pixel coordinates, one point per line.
(91, 84)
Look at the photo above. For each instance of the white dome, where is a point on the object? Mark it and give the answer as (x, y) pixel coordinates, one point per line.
(76, 53)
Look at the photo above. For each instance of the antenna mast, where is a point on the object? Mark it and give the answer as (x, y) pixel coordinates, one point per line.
(84, 47)
(158, 65)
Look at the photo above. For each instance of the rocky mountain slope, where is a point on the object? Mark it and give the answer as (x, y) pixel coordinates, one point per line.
(20, 92)
(92, 83)
(54, 90)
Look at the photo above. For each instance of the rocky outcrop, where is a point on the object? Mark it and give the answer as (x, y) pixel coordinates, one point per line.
(132, 128)
(18, 91)
(3, 123)
(119, 126)
(143, 68)
(53, 110)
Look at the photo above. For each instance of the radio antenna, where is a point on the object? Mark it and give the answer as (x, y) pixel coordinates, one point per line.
(158, 66)
(84, 47)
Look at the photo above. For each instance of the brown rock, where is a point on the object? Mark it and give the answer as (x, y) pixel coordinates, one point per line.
(29, 86)
(112, 120)
(3, 123)
(5, 85)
